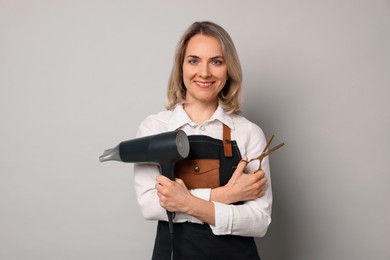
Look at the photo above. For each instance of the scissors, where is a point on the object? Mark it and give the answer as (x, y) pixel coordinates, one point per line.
(265, 153)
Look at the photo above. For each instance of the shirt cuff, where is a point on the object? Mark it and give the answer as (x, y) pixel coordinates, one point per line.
(223, 219)
(203, 194)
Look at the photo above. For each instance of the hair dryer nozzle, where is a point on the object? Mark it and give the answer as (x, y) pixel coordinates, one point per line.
(164, 149)
(110, 155)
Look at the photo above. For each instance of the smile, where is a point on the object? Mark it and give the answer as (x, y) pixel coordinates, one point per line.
(204, 84)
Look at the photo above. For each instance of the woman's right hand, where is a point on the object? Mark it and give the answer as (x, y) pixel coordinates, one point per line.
(241, 186)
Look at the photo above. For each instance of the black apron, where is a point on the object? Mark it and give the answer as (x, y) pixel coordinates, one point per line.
(193, 241)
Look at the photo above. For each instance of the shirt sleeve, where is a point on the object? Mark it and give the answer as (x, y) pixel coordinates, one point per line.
(253, 217)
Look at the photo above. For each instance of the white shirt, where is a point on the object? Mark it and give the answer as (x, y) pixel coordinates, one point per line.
(249, 219)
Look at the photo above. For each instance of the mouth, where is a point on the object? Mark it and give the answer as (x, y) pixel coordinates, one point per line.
(203, 84)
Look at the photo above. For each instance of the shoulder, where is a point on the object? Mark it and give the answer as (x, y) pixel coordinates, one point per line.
(158, 118)
(154, 123)
(245, 126)
(249, 136)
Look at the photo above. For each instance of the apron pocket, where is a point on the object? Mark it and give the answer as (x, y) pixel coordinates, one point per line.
(199, 173)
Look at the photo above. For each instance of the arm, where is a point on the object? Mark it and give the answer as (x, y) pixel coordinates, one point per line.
(148, 181)
(175, 197)
(249, 219)
(254, 216)
(241, 186)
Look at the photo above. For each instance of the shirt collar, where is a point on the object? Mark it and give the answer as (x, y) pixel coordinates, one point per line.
(180, 117)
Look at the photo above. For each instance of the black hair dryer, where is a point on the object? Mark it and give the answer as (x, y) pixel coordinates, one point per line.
(165, 149)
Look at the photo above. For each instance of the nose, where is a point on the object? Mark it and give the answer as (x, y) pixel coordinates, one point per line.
(204, 71)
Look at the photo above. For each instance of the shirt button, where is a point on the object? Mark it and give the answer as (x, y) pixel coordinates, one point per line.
(197, 169)
(202, 128)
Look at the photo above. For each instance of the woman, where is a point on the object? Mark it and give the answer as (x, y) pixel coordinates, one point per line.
(219, 208)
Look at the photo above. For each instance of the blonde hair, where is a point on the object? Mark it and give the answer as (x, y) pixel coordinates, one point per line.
(230, 96)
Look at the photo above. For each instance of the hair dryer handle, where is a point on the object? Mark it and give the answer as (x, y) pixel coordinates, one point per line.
(168, 170)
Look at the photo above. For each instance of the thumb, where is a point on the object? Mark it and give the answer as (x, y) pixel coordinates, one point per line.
(181, 182)
(178, 180)
(241, 165)
(162, 179)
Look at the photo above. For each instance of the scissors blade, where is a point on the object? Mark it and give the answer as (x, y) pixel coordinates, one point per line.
(268, 144)
(265, 153)
(272, 150)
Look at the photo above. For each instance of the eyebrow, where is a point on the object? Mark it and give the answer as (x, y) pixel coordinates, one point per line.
(212, 58)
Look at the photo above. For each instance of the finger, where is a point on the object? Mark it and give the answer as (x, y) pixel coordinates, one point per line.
(162, 179)
(242, 164)
(260, 173)
(159, 189)
(261, 194)
(245, 160)
(239, 170)
(263, 182)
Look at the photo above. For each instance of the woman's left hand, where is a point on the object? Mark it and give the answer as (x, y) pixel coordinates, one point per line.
(174, 195)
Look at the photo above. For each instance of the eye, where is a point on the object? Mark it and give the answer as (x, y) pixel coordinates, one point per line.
(217, 62)
(193, 61)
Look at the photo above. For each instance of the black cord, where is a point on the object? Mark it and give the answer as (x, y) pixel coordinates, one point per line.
(171, 246)
(171, 216)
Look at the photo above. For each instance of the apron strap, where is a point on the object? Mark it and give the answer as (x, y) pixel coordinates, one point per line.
(227, 141)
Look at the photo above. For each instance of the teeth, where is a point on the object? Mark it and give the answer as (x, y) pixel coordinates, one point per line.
(203, 84)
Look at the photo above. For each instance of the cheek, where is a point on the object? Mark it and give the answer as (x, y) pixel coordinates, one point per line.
(222, 72)
(187, 73)
(223, 75)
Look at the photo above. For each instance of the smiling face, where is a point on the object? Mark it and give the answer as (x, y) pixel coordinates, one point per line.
(204, 70)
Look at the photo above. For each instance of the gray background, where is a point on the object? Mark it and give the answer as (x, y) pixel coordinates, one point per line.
(77, 77)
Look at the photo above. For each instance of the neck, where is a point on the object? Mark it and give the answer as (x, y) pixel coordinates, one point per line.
(199, 113)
